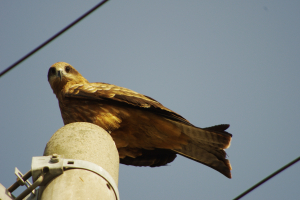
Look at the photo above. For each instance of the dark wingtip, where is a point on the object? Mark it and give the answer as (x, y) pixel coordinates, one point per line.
(227, 172)
(219, 128)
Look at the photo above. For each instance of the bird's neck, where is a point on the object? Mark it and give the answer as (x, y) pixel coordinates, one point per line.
(61, 89)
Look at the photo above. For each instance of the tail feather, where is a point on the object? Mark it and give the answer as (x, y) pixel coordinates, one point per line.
(219, 128)
(207, 146)
(215, 136)
(207, 155)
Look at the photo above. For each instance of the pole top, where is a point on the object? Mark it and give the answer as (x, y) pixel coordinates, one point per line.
(85, 141)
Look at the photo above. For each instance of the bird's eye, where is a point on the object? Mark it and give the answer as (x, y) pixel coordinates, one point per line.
(52, 70)
(68, 69)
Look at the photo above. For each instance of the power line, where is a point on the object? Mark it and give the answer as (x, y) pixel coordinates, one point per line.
(52, 38)
(78, 20)
(267, 178)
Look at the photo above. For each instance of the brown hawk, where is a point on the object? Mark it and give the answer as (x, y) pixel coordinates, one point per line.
(145, 132)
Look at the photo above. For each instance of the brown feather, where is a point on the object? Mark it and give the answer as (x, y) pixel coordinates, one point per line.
(145, 132)
(151, 158)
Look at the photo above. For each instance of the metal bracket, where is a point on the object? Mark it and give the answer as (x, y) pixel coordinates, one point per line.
(20, 179)
(82, 164)
(6, 194)
(54, 165)
(46, 168)
(50, 166)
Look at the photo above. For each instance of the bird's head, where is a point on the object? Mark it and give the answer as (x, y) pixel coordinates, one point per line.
(61, 73)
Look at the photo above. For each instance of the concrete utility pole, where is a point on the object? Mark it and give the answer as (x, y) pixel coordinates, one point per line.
(82, 141)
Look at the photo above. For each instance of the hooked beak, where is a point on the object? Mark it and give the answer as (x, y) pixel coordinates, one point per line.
(59, 74)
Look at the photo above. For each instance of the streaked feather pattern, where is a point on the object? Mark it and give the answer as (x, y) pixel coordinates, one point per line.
(145, 132)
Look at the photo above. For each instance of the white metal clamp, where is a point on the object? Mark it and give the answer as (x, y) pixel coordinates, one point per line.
(46, 168)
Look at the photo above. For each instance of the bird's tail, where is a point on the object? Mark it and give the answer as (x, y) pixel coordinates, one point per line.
(207, 146)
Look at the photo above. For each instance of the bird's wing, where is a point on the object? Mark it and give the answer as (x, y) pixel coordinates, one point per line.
(108, 92)
(206, 145)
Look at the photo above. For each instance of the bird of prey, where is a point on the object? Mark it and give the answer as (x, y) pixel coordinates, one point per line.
(145, 132)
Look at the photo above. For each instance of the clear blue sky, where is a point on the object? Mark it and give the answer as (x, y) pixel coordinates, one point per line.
(213, 62)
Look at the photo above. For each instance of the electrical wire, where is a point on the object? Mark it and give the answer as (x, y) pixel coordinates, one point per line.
(52, 38)
(267, 178)
(78, 20)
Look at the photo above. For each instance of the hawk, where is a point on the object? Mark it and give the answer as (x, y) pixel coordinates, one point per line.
(145, 132)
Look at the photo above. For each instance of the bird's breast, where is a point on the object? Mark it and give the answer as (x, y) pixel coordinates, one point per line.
(100, 114)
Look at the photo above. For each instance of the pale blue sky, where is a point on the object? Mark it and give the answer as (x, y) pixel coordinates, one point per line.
(213, 62)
